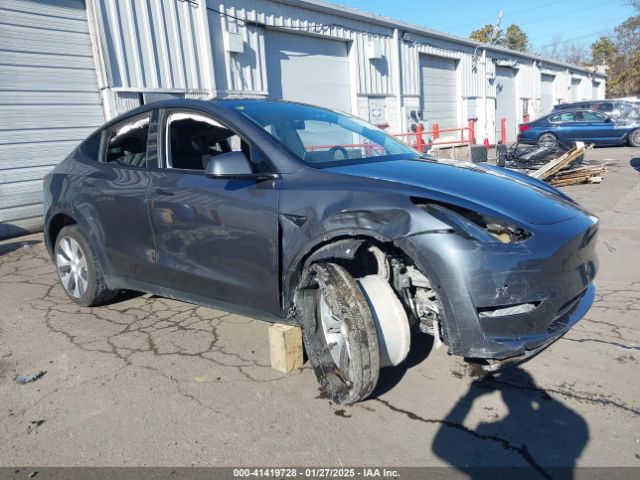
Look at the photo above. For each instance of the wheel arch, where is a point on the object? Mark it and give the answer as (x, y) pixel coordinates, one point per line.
(338, 245)
(54, 226)
(64, 218)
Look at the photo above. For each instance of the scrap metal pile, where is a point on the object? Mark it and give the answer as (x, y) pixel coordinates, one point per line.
(560, 166)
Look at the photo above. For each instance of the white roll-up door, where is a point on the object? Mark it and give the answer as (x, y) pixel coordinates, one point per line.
(48, 97)
(506, 106)
(546, 93)
(308, 69)
(575, 89)
(439, 95)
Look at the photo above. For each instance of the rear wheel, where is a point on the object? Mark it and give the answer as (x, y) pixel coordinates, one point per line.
(634, 138)
(78, 268)
(548, 140)
(340, 334)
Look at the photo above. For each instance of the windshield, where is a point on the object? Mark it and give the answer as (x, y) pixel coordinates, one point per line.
(632, 114)
(324, 138)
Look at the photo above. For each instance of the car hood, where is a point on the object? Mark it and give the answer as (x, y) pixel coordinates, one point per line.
(514, 196)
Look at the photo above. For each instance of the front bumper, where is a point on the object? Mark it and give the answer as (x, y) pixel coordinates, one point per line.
(552, 273)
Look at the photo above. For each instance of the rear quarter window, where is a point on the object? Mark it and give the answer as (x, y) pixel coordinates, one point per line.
(90, 148)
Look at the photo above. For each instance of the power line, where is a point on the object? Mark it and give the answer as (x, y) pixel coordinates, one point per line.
(601, 32)
(477, 22)
(617, 19)
(569, 12)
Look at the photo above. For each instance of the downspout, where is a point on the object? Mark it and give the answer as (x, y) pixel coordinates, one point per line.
(484, 97)
(396, 66)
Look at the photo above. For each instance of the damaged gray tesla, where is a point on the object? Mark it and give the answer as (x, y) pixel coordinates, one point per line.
(293, 213)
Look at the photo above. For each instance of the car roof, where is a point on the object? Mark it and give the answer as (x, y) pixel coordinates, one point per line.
(214, 104)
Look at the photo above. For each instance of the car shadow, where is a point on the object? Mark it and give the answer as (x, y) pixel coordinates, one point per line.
(13, 246)
(635, 163)
(421, 345)
(538, 435)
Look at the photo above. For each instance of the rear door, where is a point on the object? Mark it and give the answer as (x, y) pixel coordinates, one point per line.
(112, 195)
(597, 128)
(217, 239)
(564, 125)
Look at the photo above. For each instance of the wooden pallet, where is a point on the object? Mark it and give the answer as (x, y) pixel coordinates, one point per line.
(578, 175)
(554, 166)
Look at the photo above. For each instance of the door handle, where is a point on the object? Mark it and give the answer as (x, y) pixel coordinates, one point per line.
(162, 191)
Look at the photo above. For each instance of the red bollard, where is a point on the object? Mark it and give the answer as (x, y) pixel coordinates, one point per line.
(472, 131)
(419, 139)
(503, 130)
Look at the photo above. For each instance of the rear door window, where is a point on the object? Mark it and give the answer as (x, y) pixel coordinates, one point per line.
(563, 117)
(126, 142)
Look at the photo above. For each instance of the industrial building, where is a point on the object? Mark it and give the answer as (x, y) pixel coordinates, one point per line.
(67, 65)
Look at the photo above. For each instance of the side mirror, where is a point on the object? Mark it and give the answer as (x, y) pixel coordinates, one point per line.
(234, 166)
(608, 119)
(228, 165)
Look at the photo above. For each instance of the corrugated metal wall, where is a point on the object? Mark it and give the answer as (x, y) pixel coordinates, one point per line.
(179, 46)
(152, 45)
(48, 97)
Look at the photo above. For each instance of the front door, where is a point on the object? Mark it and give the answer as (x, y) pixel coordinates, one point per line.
(217, 239)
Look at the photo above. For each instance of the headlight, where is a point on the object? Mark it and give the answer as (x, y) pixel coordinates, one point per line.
(470, 224)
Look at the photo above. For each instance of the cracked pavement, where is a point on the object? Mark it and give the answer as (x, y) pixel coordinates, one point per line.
(152, 381)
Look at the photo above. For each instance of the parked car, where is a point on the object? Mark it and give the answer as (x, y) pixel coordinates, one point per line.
(613, 108)
(567, 126)
(293, 213)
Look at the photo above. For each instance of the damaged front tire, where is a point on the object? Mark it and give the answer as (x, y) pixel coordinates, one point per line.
(339, 334)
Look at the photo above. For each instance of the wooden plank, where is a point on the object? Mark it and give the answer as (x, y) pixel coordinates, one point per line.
(285, 346)
(556, 165)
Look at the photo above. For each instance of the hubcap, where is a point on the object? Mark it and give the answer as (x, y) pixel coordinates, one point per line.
(335, 334)
(72, 267)
(636, 137)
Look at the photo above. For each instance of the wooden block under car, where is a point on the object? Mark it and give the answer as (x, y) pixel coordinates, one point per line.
(285, 346)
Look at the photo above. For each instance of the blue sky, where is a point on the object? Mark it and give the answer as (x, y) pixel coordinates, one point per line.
(545, 21)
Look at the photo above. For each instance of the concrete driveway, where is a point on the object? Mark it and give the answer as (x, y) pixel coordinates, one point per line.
(151, 381)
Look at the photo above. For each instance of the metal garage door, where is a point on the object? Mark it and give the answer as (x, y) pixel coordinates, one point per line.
(506, 101)
(308, 69)
(546, 93)
(48, 97)
(439, 94)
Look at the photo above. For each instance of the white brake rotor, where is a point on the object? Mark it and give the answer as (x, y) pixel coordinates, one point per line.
(392, 324)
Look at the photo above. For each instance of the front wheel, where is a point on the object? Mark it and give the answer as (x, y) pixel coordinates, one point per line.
(548, 140)
(634, 138)
(340, 334)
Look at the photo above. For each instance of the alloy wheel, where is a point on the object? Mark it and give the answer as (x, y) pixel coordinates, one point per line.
(72, 267)
(335, 334)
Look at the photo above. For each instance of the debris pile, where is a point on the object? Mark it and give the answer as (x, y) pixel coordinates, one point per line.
(562, 169)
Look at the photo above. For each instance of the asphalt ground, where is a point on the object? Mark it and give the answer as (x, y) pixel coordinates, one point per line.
(147, 381)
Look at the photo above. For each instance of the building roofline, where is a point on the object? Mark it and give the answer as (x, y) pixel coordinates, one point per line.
(372, 17)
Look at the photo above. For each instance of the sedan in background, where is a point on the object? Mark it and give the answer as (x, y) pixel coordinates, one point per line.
(568, 126)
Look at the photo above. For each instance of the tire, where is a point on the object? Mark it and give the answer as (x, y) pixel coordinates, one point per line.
(548, 140)
(79, 271)
(634, 138)
(347, 375)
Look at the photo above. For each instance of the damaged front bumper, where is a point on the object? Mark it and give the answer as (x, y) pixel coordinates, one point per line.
(505, 303)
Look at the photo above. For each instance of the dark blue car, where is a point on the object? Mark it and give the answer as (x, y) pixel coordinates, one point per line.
(296, 214)
(568, 126)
